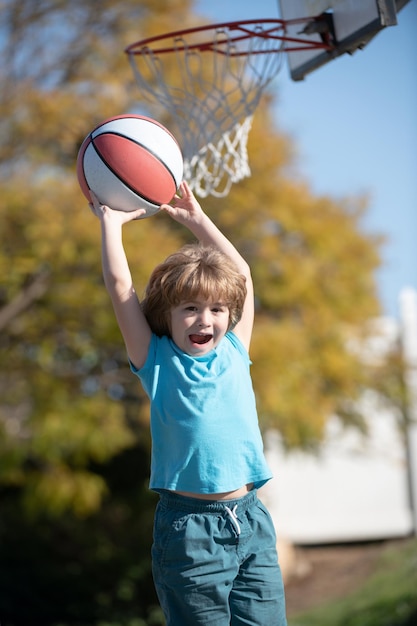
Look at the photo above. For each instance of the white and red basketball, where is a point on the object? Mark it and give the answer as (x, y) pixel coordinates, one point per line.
(130, 162)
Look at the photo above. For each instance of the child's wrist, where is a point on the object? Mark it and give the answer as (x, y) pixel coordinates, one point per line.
(200, 225)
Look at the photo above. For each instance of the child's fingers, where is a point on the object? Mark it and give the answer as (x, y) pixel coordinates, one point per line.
(138, 214)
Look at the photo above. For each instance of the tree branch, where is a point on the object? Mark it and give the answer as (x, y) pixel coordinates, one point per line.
(35, 290)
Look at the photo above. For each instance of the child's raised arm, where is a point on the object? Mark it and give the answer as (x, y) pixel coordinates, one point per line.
(118, 280)
(187, 211)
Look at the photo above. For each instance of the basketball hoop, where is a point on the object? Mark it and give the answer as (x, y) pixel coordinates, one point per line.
(210, 79)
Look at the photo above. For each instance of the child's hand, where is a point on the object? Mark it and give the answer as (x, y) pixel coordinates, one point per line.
(121, 217)
(184, 207)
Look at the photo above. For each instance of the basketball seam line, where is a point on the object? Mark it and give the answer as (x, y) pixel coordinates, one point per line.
(112, 132)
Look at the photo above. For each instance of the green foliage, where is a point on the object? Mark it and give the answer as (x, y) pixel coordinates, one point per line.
(388, 598)
(84, 572)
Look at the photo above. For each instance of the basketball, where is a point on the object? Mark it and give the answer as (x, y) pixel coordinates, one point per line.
(130, 162)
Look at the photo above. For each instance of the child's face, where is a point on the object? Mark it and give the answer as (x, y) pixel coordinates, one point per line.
(198, 326)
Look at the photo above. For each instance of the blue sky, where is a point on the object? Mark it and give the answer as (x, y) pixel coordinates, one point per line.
(354, 123)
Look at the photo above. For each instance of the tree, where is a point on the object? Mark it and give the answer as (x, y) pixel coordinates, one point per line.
(74, 441)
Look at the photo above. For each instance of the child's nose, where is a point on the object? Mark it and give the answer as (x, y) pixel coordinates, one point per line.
(204, 318)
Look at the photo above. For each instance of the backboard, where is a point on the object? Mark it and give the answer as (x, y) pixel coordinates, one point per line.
(349, 24)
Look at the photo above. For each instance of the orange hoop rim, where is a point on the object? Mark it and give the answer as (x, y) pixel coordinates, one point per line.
(243, 31)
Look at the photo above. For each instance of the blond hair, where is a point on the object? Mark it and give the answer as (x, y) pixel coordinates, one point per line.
(195, 271)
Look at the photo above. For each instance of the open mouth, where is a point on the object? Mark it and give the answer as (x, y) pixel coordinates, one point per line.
(200, 339)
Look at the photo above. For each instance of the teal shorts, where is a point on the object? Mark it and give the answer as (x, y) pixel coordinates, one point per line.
(215, 563)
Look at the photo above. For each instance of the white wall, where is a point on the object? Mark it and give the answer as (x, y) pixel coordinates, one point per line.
(355, 490)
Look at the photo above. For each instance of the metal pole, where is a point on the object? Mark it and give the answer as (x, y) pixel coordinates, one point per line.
(408, 316)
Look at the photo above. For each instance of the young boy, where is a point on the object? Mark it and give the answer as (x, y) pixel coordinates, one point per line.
(214, 558)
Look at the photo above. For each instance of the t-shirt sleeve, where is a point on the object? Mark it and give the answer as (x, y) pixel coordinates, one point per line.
(236, 343)
(145, 373)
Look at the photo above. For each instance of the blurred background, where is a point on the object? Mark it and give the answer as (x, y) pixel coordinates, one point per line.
(334, 347)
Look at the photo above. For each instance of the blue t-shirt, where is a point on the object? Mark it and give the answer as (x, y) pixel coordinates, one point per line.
(204, 424)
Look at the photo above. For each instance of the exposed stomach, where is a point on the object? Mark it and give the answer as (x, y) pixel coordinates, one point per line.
(227, 495)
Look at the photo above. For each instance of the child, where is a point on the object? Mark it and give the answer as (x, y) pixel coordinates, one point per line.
(214, 558)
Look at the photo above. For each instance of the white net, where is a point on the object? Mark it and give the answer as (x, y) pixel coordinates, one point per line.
(216, 166)
(211, 90)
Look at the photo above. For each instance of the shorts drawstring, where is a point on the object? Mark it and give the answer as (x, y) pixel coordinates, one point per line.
(233, 518)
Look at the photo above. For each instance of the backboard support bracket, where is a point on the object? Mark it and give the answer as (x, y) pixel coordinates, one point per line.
(347, 25)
